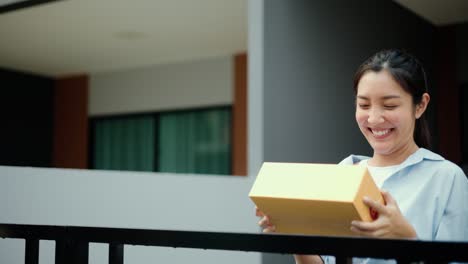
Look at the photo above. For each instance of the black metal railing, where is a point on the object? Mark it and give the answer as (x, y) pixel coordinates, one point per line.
(72, 244)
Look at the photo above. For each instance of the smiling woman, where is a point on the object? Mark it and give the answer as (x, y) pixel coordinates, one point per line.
(424, 193)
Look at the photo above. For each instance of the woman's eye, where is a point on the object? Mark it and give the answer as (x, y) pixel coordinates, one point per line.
(390, 106)
(363, 106)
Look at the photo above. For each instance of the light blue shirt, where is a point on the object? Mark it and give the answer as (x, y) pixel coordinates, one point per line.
(432, 194)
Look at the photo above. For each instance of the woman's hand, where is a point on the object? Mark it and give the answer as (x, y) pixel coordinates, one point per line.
(389, 224)
(268, 227)
(264, 222)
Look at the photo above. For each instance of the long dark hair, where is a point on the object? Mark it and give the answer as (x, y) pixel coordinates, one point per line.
(409, 73)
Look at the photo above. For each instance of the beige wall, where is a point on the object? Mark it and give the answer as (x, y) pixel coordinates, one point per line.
(202, 83)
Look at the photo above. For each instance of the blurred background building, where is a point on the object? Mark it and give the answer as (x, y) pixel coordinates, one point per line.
(138, 113)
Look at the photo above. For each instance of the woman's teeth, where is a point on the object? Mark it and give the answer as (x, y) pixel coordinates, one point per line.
(380, 133)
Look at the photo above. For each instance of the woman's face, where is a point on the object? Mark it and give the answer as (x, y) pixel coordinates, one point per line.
(385, 113)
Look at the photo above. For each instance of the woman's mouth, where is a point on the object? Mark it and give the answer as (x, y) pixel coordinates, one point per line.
(381, 133)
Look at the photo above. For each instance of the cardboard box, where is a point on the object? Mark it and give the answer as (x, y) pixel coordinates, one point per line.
(314, 199)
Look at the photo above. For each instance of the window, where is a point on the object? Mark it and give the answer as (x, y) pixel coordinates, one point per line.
(124, 143)
(191, 141)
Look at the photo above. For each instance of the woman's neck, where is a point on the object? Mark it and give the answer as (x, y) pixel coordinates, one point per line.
(394, 158)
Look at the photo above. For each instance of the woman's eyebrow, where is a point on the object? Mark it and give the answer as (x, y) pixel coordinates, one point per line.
(391, 97)
(384, 97)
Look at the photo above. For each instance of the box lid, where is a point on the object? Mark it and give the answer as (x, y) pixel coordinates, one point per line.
(326, 182)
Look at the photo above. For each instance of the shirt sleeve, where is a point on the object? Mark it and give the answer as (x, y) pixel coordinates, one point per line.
(454, 222)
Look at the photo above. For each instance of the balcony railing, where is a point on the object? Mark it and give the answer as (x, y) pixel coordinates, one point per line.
(72, 244)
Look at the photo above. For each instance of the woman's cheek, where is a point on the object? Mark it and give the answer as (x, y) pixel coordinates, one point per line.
(360, 118)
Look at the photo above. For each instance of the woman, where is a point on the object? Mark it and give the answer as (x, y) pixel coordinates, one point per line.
(425, 195)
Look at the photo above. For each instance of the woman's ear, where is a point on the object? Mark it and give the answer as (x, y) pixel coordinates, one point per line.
(422, 106)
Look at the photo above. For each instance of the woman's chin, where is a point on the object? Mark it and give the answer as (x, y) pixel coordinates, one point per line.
(381, 149)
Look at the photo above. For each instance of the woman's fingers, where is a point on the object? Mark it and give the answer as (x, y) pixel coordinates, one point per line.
(379, 208)
(391, 223)
(388, 198)
(368, 233)
(269, 229)
(264, 222)
(369, 229)
(366, 226)
(258, 212)
(266, 225)
(359, 232)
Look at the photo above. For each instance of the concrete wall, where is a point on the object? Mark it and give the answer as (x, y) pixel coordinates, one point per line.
(309, 52)
(200, 83)
(127, 200)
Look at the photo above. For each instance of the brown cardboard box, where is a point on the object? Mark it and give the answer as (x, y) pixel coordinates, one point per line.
(314, 199)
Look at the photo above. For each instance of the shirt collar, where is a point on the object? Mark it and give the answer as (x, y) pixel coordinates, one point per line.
(418, 156)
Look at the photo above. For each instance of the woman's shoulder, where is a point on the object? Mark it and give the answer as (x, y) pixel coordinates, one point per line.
(434, 163)
(422, 158)
(438, 161)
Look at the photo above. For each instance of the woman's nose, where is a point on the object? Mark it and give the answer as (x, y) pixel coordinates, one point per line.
(375, 116)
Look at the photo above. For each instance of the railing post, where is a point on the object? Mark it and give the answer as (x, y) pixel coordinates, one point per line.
(71, 252)
(31, 254)
(116, 253)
